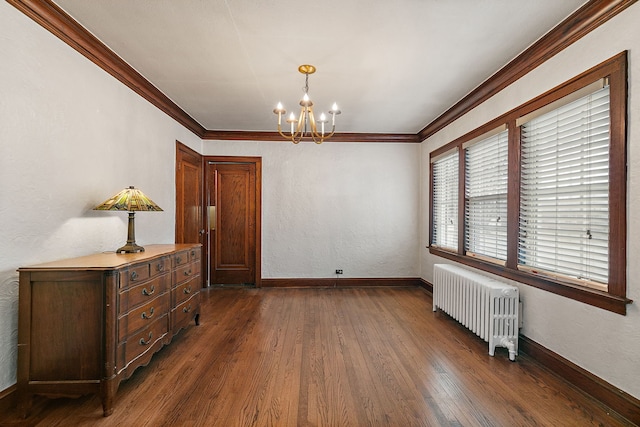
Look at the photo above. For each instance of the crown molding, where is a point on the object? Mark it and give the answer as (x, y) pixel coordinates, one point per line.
(56, 21)
(584, 20)
(234, 135)
(590, 16)
(59, 23)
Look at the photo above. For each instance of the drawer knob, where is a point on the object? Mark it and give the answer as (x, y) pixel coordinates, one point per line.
(143, 342)
(187, 290)
(148, 293)
(147, 316)
(187, 273)
(160, 266)
(178, 259)
(186, 309)
(134, 275)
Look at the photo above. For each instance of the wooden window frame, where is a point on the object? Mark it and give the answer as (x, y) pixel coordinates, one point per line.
(615, 299)
(468, 201)
(433, 207)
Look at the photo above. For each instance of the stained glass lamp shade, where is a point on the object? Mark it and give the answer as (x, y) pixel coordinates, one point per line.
(132, 200)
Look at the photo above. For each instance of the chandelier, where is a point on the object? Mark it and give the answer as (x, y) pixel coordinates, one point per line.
(306, 125)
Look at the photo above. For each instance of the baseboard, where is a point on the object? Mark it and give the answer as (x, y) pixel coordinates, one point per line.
(427, 286)
(621, 402)
(340, 282)
(8, 399)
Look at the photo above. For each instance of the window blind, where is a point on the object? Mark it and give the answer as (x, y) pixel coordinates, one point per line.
(445, 201)
(564, 205)
(486, 172)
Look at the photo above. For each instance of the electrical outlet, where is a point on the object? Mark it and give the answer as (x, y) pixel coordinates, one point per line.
(338, 271)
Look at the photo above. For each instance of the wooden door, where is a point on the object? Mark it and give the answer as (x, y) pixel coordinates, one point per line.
(232, 222)
(189, 178)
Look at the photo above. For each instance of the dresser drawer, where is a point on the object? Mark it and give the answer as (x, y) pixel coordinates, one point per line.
(138, 273)
(186, 272)
(184, 312)
(143, 341)
(142, 316)
(194, 254)
(185, 257)
(186, 290)
(143, 293)
(181, 258)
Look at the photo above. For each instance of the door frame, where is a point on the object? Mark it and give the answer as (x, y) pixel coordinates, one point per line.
(257, 161)
(185, 154)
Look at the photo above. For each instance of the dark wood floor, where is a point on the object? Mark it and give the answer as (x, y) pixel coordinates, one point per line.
(329, 357)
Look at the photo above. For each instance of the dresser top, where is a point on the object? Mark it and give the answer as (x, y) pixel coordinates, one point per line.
(110, 260)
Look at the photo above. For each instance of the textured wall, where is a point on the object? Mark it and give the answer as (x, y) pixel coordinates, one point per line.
(604, 343)
(352, 206)
(70, 137)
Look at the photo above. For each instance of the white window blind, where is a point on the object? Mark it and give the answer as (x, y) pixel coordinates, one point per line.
(564, 205)
(486, 172)
(445, 201)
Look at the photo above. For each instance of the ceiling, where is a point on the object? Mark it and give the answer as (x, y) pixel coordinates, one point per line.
(392, 66)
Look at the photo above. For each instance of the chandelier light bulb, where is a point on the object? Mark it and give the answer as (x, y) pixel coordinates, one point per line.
(306, 102)
(292, 120)
(323, 120)
(334, 112)
(279, 110)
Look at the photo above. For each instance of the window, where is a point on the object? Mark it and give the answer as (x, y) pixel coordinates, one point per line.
(564, 209)
(486, 197)
(543, 199)
(445, 201)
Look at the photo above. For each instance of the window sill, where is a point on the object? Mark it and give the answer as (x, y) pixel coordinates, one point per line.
(596, 298)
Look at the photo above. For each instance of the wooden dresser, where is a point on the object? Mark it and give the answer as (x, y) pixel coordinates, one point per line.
(87, 323)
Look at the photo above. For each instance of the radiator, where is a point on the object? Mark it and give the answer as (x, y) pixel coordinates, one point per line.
(487, 307)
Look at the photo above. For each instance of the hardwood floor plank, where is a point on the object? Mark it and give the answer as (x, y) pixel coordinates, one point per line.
(329, 357)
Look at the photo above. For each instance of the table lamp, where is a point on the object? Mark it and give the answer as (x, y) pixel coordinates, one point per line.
(132, 200)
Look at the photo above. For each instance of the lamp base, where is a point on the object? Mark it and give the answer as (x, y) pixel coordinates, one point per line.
(130, 248)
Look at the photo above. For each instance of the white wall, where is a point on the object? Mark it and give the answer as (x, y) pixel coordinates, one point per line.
(70, 137)
(601, 342)
(352, 206)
